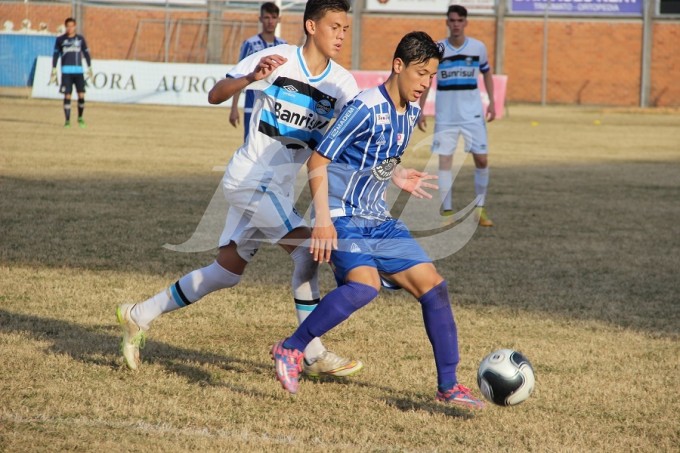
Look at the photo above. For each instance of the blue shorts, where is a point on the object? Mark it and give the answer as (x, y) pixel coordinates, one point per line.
(386, 245)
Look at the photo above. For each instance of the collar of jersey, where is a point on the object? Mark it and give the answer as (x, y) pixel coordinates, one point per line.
(465, 43)
(386, 95)
(303, 65)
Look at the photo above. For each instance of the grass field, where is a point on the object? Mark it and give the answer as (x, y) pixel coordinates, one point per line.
(580, 274)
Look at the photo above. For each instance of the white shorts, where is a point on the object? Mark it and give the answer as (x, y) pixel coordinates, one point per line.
(257, 216)
(446, 138)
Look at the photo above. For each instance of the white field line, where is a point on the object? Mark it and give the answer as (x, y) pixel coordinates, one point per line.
(149, 428)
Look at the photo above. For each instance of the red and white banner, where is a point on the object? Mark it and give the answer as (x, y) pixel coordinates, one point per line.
(369, 79)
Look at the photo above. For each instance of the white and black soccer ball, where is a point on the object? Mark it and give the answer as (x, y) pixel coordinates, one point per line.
(505, 377)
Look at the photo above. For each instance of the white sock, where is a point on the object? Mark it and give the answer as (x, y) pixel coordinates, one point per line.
(481, 184)
(445, 182)
(184, 292)
(306, 294)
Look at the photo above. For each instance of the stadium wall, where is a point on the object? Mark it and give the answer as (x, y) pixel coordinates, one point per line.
(591, 61)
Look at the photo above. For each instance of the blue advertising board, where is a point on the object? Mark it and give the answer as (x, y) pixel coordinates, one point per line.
(586, 7)
(18, 53)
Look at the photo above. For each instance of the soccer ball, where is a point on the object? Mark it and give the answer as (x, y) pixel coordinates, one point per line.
(505, 377)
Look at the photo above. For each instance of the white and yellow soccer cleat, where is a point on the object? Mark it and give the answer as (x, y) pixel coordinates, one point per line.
(331, 364)
(484, 219)
(134, 336)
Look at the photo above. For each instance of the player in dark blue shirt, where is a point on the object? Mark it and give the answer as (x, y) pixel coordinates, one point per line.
(71, 48)
(348, 176)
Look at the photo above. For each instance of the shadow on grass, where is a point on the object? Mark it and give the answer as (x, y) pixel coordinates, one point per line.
(99, 345)
(431, 407)
(556, 247)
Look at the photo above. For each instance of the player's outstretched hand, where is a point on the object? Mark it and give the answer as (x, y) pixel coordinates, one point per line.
(422, 123)
(413, 181)
(53, 76)
(234, 117)
(324, 241)
(267, 65)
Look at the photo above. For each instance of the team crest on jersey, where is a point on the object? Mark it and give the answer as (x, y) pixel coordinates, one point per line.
(382, 118)
(323, 107)
(384, 171)
(400, 139)
(468, 61)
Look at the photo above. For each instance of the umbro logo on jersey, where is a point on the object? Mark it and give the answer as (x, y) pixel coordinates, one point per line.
(382, 118)
(354, 248)
(381, 140)
(290, 88)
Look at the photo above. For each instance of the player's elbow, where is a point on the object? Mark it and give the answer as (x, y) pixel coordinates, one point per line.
(213, 98)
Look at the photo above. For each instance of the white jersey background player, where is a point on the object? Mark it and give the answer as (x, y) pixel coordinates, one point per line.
(459, 110)
(298, 91)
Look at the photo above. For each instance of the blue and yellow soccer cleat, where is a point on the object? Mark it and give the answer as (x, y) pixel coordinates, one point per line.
(331, 364)
(288, 363)
(134, 336)
(461, 396)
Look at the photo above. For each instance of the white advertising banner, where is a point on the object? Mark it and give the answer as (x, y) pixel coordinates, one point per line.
(428, 6)
(139, 82)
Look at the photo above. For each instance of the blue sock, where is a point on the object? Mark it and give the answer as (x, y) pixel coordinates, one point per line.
(333, 309)
(441, 330)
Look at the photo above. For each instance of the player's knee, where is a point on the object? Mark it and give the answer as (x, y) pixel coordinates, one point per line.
(360, 293)
(481, 161)
(445, 162)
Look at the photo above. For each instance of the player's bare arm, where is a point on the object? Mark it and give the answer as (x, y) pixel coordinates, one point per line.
(488, 84)
(413, 181)
(324, 237)
(234, 115)
(226, 88)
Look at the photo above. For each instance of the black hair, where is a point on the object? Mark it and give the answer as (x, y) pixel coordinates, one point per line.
(69, 19)
(418, 47)
(271, 8)
(458, 9)
(316, 9)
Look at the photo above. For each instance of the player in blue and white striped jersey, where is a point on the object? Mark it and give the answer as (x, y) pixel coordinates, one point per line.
(269, 18)
(298, 92)
(353, 229)
(459, 110)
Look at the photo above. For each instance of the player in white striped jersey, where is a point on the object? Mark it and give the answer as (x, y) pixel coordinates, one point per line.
(298, 92)
(269, 18)
(459, 110)
(348, 175)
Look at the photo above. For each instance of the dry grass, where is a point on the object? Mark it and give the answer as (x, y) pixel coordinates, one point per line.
(580, 274)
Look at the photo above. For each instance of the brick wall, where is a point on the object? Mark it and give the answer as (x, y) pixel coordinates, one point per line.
(590, 61)
(666, 65)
